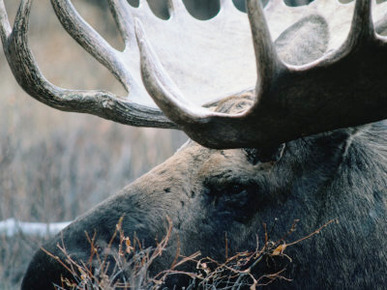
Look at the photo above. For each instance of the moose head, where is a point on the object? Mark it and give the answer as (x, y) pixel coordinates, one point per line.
(297, 134)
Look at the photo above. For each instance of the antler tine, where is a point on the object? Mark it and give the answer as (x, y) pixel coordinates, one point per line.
(97, 102)
(381, 29)
(276, 3)
(202, 125)
(351, 84)
(144, 5)
(90, 40)
(15, 50)
(5, 27)
(175, 6)
(381, 26)
(226, 5)
(124, 21)
(213, 129)
(267, 62)
(161, 88)
(362, 27)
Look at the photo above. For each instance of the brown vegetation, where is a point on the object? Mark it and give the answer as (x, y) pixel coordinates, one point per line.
(131, 264)
(54, 165)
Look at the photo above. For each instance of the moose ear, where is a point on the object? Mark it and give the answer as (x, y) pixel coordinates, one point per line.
(304, 41)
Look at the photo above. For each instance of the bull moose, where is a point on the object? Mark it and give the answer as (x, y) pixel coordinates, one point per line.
(296, 134)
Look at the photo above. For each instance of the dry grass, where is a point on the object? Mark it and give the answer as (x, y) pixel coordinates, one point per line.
(128, 265)
(56, 165)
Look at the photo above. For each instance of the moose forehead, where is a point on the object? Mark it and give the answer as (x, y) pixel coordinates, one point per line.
(244, 166)
(226, 164)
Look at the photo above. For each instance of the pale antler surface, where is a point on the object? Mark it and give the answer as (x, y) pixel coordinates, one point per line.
(187, 62)
(344, 87)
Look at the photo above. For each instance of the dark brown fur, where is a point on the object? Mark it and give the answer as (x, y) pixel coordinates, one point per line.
(207, 193)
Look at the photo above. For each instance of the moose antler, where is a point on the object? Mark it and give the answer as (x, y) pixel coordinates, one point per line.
(346, 87)
(339, 84)
(100, 103)
(137, 108)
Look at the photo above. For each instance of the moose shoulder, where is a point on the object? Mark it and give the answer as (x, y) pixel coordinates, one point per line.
(308, 142)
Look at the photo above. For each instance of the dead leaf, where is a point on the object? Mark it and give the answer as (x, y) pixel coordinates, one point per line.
(279, 250)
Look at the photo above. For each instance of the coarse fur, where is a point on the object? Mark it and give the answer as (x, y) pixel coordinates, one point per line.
(207, 193)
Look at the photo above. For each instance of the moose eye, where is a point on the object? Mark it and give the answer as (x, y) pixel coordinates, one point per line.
(225, 189)
(271, 154)
(236, 189)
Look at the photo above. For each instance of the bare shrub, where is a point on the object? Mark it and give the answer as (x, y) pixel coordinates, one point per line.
(131, 264)
(54, 166)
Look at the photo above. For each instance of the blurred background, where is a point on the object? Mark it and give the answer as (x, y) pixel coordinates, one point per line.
(54, 165)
